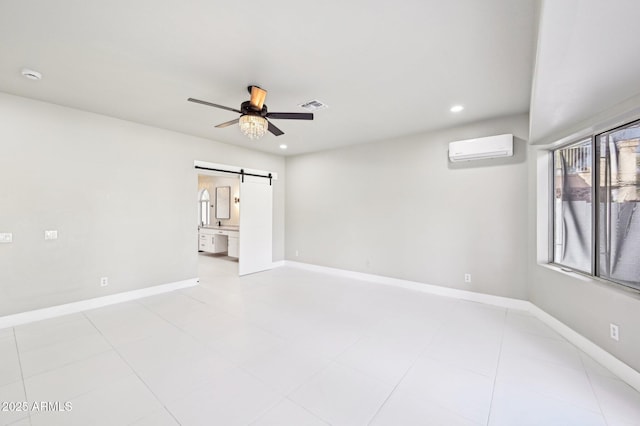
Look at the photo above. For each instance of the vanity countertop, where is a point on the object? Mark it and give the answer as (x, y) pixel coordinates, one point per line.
(221, 228)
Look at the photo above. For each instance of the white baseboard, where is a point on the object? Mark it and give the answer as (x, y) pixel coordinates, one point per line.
(278, 264)
(505, 302)
(613, 364)
(98, 302)
(610, 362)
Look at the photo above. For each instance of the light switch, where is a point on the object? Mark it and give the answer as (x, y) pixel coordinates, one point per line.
(50, 235)
(6, 237)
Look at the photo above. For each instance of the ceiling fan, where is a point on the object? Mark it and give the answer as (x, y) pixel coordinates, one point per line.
(253, 115)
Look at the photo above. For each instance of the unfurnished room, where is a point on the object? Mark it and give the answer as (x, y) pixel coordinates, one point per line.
(319, 213)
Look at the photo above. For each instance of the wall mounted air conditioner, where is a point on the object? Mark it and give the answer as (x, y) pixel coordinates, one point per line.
(481, 148)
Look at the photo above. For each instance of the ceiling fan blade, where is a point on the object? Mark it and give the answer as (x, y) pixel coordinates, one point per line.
(290, 115)
(198, 101)
(273, 129)
(258, 96)
(228, 123)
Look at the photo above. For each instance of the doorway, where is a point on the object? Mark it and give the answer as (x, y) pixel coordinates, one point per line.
(235, 216)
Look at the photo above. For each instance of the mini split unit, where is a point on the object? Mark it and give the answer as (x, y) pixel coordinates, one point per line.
(481, 148)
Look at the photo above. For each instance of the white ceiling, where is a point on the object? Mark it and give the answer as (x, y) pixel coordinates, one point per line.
(385, 69)
(588, 61)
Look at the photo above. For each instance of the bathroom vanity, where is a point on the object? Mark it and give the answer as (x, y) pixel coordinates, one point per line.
(219, 239)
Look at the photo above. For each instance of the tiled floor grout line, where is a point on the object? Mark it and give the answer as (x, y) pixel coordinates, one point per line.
(390, 393)
(234, 316)
(271, 407)
(495, 377)
(557, 365)
(24, 386)
(133, 370)
(236, 365)
(593, 389)
(66, 364)
(257, 419)
(283, 395)
(240, 367)
(305, 409)
(337, 325)
(424, 349)
(332, 360)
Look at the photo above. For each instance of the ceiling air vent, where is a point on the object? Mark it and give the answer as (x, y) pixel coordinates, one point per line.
(314, 105)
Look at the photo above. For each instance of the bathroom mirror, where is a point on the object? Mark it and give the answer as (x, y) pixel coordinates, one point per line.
(223, 202)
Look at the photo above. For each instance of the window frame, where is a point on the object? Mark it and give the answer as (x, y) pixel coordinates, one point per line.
(593, 137)
(597, 137)
(593, 230)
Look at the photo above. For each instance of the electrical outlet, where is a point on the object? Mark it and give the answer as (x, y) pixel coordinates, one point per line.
(51, 235)
(104, 281)
(6, 237)
(614, 331)
(467, 278)
(296, 253)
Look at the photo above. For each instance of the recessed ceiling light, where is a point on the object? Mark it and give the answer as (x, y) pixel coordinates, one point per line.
(456, 108)
(31, 74)
(283, 146)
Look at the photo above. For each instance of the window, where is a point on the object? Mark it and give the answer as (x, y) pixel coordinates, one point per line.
(618, 196)
(601, 239)
(573, 206)
(205, 207)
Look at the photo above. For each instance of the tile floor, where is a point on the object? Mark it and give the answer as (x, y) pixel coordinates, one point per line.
(291, 347)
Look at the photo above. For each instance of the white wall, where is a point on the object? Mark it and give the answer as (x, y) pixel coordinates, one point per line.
(121, 195)
(399, 208)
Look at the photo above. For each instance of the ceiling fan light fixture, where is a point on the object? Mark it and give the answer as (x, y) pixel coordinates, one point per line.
(253, 126)
(258, 97)
(253, 115)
